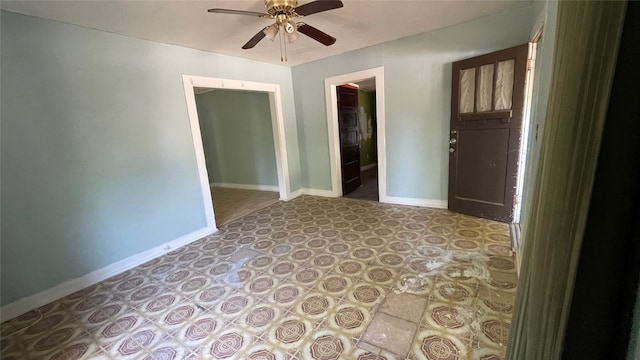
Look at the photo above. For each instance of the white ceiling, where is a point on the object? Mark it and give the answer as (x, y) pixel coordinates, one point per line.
(360, 23)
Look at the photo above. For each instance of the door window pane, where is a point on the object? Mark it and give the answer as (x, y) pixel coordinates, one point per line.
(485, 87)
(467, 89)
(504, 84)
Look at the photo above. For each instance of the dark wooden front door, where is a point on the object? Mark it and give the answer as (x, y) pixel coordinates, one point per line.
(487, 105)
(349, 138)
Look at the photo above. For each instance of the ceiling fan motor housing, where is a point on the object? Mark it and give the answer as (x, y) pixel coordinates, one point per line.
(281, 7)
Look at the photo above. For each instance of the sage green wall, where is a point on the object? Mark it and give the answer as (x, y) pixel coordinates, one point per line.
(98, 162)
(237, 137)
(417, 75)
(367, 118)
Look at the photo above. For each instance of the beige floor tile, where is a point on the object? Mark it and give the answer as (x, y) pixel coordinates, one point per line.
(404, 306)
(390, 333)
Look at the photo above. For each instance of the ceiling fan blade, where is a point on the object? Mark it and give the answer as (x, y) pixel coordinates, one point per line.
(316, 34)
(254, 40)
(235, 12)
(318, 6)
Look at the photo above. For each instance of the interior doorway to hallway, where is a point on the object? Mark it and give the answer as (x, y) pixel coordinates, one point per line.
(355, 120)
(359, 155)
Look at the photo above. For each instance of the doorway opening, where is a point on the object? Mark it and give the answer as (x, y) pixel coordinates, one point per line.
(357, 125)
(238, 146)
(356, 134)
(231, 184)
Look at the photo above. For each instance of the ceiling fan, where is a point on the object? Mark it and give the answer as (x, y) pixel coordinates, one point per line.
(283, 11)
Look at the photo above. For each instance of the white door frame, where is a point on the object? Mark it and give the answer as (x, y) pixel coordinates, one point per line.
(526, 122)
(277, 121)
(331, 97)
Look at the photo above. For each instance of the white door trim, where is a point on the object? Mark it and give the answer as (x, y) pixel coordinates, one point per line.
(277, 121)
(331, 97)
(530, 98)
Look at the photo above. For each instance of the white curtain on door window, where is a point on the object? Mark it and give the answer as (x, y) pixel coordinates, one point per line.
(467, 89)
(485, 87)
(504, 84)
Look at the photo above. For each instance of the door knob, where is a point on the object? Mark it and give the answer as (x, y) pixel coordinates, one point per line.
(451, 150)
(453, 141)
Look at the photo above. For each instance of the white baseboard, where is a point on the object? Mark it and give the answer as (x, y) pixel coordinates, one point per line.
(295, 194)
(317, 192)
(292, 195)
(313, 192)
(247, 186)
(438, 204)
(432, 203)
(26, 304)
(367, 167)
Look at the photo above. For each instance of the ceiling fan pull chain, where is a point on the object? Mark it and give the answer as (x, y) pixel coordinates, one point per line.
(283, 52)
(284, 42)
(280, 43)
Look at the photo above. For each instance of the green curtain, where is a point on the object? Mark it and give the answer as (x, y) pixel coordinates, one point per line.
(586, 43)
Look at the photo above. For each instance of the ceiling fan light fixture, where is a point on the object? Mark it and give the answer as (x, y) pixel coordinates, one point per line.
(292, 37)
(291, 29)
(271, 31)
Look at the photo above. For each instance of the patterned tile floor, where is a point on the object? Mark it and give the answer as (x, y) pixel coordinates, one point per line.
(313, 278)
